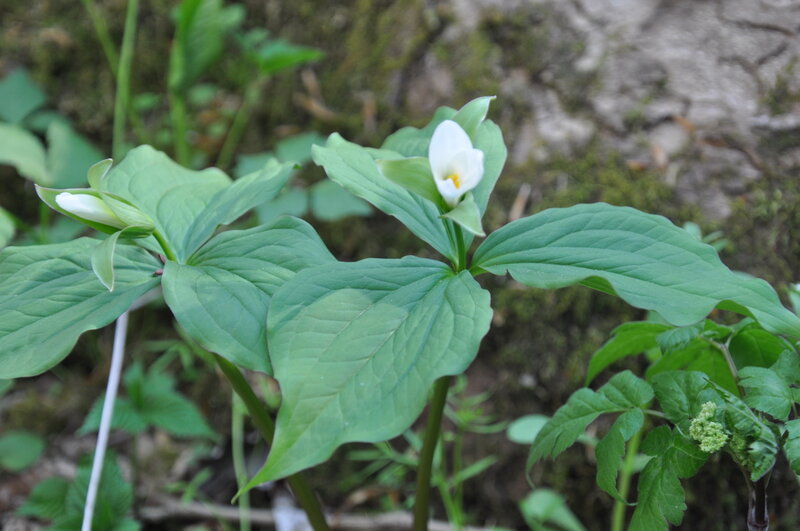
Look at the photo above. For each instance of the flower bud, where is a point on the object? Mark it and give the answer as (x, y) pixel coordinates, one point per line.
(90, 208)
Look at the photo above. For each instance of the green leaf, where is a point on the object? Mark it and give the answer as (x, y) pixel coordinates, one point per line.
(698, 356)
(97, 172)
(792, 445)
(19, 96)
(173, 196)
(642, 258)
(103, 256)
(623, 391)
(6, 228)
(330, 202)
(247, 164)
(413, 174)
(610, 450)
(199, 39)
(297, 148)
(19, 449)
(467, 215)
(292, 202)
(47, 499)
(773, 390)
(356, 348)
(753, 346)
(126, 417)
(627, 340)
(114, 500)
(352, 167)
(175, 414)
(49, 296)
(760, 444)
(274, 55)
(25, 152)
(222, 294)
(227, 206)
(525, 429)
(681, 394)
(69, 156)
(661, 496)
(678, 338)
(544, 506)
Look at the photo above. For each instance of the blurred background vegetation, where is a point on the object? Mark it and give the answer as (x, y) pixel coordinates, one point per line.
(686, 109)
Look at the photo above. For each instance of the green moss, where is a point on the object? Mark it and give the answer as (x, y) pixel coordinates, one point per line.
(781, 98)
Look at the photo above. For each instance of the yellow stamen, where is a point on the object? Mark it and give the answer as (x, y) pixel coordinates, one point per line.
(456, 180)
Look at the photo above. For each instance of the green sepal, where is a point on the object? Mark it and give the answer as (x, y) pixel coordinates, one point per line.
(138, 224)
(472, 115)
(468, 215)
(414, 174)
(97, 172)
(103, 255)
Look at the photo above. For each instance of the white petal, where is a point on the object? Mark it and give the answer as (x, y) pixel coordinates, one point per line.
(448, 191)
(448, 140)
(88, 207)
(468, 165)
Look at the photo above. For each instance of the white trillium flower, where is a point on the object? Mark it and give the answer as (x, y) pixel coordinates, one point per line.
(457, 167)
(90, 208)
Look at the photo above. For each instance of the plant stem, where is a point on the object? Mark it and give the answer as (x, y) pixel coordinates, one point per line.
(179, 127)
(264, 424)
(124, 78)
(117, 355)
(624, 486)
(168, 252)
(234, 136)
(757, 514)
(103, 36)
(239, 465)
(462, 251)
(422, 502)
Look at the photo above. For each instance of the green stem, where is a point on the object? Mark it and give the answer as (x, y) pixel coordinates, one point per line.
(462, 251)
(422, 502)
(124, 78)
(168, 252)
(264, 424)
(239, 466)
(180, 127)
(237, 129)
(103, 35)
(624, 487)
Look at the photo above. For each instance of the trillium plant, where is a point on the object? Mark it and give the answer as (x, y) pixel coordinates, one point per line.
(358, 348)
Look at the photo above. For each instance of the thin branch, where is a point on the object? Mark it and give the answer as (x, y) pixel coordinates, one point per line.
(117, 355)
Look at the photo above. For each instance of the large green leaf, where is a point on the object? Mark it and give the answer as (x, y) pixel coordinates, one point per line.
(25, 152)
(354, 168)
(698, 356)
(244, 194)
(661, 496)
(49, 296)
(222, 294)
(627, 340)
(681, 394)
(610, 450)
(69, 156)
(173, 196)
(356, 348)
(645, 259)
(19, 96)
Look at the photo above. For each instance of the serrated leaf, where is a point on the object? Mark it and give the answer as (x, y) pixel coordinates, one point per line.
(623, 392)
(352, 167)
(627, 340)
(25, 152)
(175, 414)
(412, 173)
(232, 202)
(275, 55)
(752, 346)
(525, 429)
(19, 96)
(173, 196)
(49, 296)
(126, 417)
(699, 356)
(661, 497)
(791, 447)
(681, 394)
(19, 449)
(331, 202)
(6, 228)
(46, 501)
(69, 156)
(222, 294)
(544, 506)
(766, 391)
(610, 450)
(642, 258)
(678, 338)
(114, 499)
(467, 215)
(356, 348)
